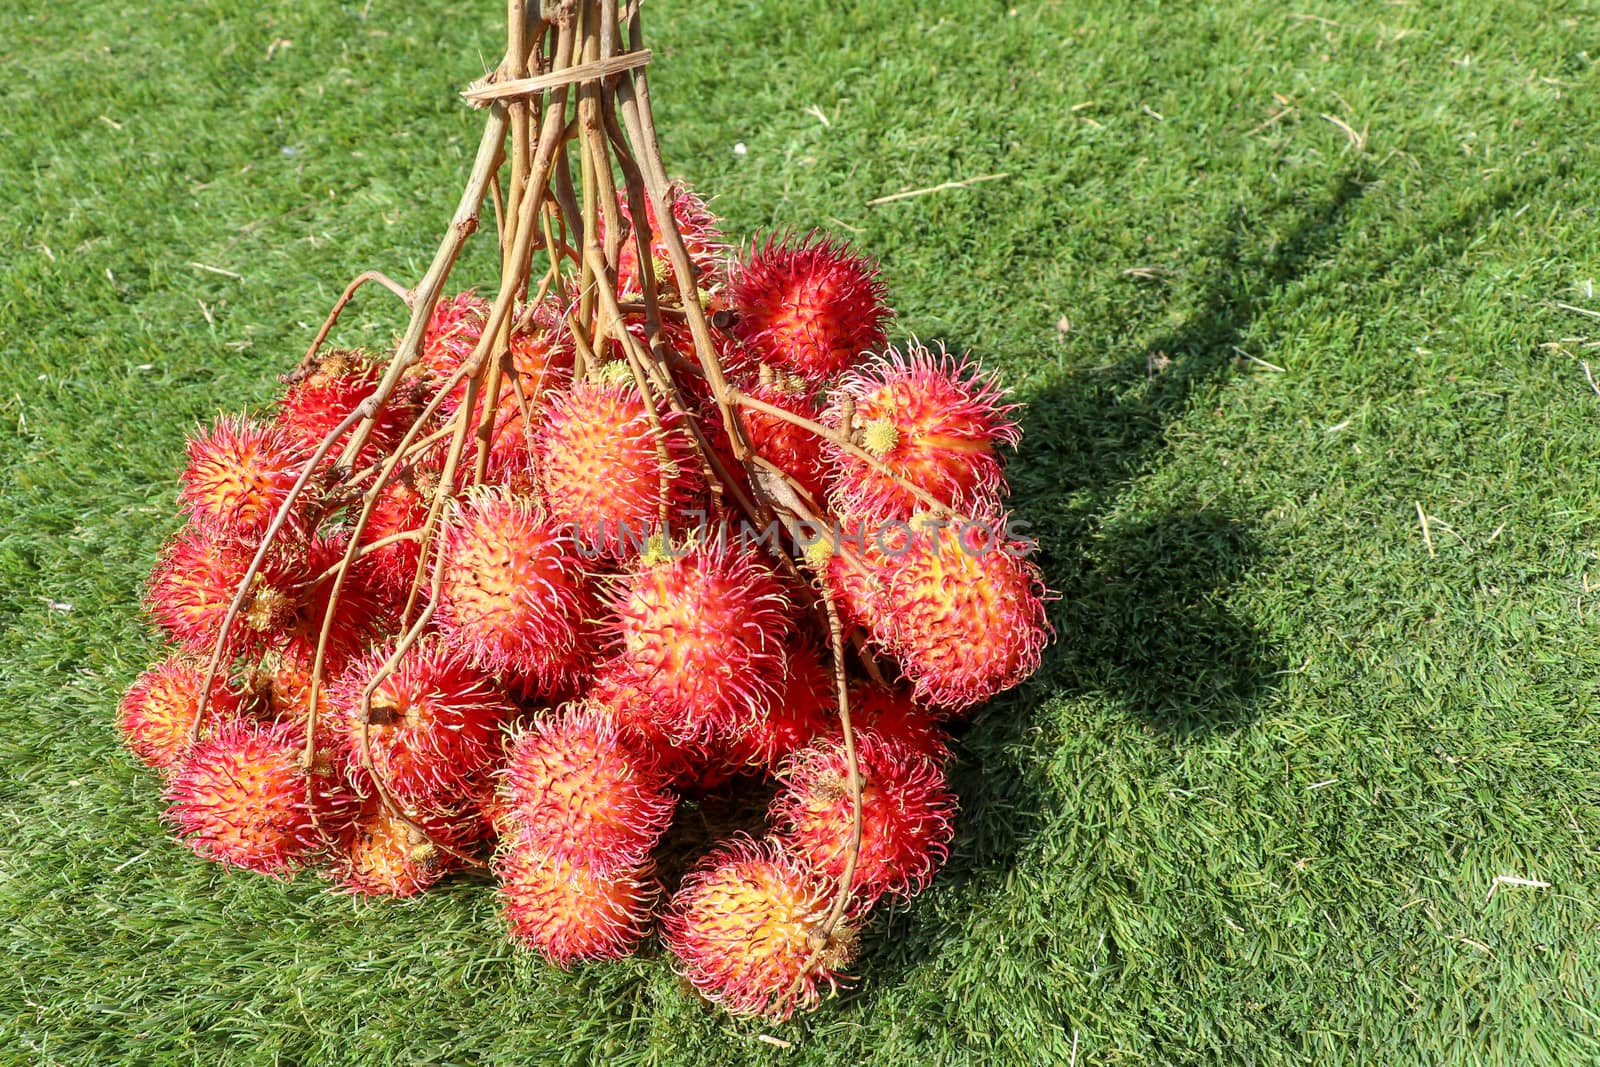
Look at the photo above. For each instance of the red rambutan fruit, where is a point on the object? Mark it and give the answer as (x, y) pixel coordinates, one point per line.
(433, 725)
(241, 797)
(795, 449)
(239, 475)
(362, 614)
(382, 854)
(707, 248)
(157, 710)
(581, 793)
(401, 508)
(602, 464)
(964, 614)
(802, 709)
(809, 305)
(314, 406)
(907, 814)
(194, 583)
(568, 911)
(747, 928)
(934, 421)
(703, 635)
(892, 714)
(513, 595)
(452, 333)
(621, 698)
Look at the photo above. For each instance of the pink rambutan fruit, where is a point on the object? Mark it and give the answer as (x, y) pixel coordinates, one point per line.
(803, 708)
(627, 704)
(382, 853)
(453, 331)
(239, 475)
(907, 813)
(747, 927)
(893, 714)
(929, 419)
(361, 615)
(401, 508)
(433, 724)
(315, 405)
(194, 583)
(580, 792)
(703, 634)
(160, 706)
(793, 448)
(242, 798)
(605, 468)
(514, 595)
(963, 612)
(853, 561)
(809, 305)
(703, 239)
(568, 911)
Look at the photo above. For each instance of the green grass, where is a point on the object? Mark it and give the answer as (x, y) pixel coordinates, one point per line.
(1253, 807)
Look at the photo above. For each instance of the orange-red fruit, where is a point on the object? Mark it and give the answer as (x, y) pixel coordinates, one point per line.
(241, 798)
(401, 507)
(159, 707)
(195, 582)
(581, 793)
(239, 476)
(603, 471)
(964, 614)
(804, 707)
(703, 240)
(568, 911)
(433, 723)
(795, 449)
(906, 814)
(891, 713)
(513, 593)
(317, 404)
(703, 636)
(809, 305)
(452, 332)
(930, 419)
(747, 924)
(381, 854)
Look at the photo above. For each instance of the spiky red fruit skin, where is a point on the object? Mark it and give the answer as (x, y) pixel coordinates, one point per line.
(317, 404)
(513, 593)
(947, 417)
(803, 708)
(195, 580)
(707, 248)
(241, 798)
(893, 714)
(703, 636)
(964, 614)
(437, 722)
(625, 703)
(582, 794)
(809, 305)
(239, 475)
(745, 925)
(157, 710)
(907, 814)
(380, 854)
(570, 912)
(401, 507)
(452, 333)
(795, 449)
(199, 572)
(602, 470)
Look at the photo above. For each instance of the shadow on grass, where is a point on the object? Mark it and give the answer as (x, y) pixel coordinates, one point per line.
(1143, 617)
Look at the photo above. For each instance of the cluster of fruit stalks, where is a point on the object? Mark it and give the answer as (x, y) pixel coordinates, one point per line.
(504, 596)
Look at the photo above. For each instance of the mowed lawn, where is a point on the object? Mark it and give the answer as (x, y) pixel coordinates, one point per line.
(1312, 770)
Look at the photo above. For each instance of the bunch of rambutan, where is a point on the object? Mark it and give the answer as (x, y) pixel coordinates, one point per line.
(676, 526)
